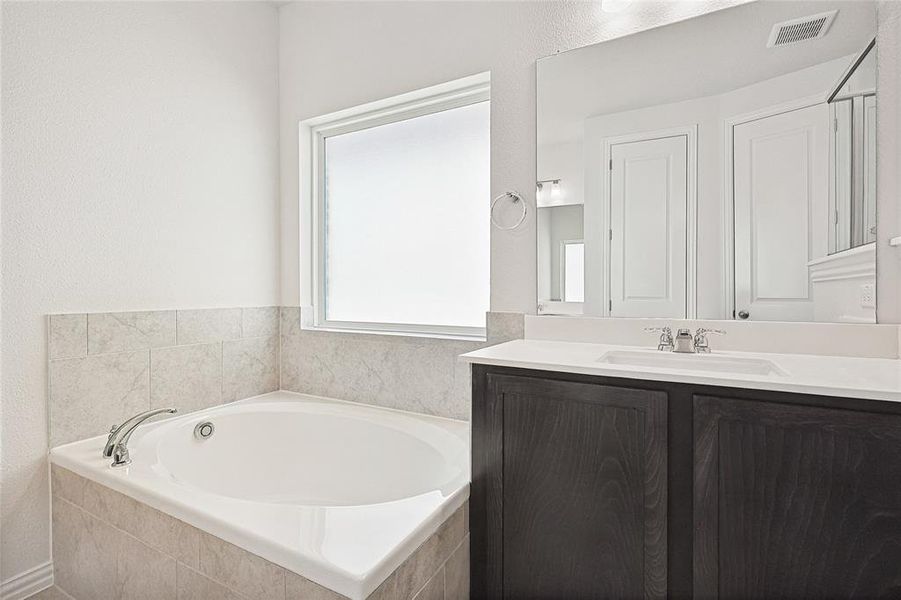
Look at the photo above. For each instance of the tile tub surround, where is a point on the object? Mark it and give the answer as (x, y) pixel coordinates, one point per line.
(109, 546)
(106, 367)
(418, 374)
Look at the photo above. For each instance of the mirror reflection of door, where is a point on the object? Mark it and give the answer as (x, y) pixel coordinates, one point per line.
(561, 268)
(780, 191)
(648, 203)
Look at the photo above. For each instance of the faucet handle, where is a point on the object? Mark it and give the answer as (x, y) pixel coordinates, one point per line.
(666, 337)
(705, 330)
(700, 342)
(659, 330)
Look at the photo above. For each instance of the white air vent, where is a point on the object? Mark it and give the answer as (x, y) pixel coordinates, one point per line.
(800, 30)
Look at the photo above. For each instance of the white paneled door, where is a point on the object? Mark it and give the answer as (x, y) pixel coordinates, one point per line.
(781, 212)
(648, 203)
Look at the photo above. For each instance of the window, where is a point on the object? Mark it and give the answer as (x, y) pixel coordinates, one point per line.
(401, 214)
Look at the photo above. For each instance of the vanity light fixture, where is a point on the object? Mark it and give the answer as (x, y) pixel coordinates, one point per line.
(554, 185)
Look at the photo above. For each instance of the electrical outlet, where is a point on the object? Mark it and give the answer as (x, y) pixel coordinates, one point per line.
(868, 295)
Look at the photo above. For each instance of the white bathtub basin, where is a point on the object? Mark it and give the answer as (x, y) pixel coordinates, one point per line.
(340, 493)
(692, 362)
(309, 455)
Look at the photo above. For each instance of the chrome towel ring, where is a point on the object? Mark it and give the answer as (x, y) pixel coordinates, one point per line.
(515, 198)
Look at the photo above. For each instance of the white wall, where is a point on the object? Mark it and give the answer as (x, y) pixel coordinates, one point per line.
(140, 171)
(335, 55)
(888, 160)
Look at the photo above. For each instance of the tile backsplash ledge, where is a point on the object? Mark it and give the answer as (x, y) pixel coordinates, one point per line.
(825, 339)
(106, 367)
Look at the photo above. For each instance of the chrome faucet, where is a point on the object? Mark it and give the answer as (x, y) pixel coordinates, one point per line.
(684, 342)
(117, 442)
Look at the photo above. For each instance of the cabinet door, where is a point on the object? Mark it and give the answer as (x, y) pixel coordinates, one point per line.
(795, 501)
(583, 489)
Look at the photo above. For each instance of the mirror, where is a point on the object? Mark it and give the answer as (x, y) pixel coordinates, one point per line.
(852, 195)
(722, 167)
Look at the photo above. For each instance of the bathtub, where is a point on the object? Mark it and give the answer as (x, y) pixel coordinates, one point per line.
(340, 493)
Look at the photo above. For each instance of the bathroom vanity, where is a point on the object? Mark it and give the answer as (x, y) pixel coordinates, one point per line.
(625, 478)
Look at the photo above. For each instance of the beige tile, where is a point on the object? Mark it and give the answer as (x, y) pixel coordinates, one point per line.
(415, 572)
(155, 528)
(85, 551)
(301, 588)
(89, 394)
(194, 586)
(456, 573)
(463, 389)
(504, 326)
(111, 506)
(123, 331)
(143, 573)
(67, 485)
(386, 589)
(51, 593)
(408, 373)
(289, 320)
(260, 321)
(188, 551)
(433, 589)
(186, 377)
(68, 336)
(249, 367)
(208, 325)
(240, 570)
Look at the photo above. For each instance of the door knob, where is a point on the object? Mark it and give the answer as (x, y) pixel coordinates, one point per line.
(743, 314)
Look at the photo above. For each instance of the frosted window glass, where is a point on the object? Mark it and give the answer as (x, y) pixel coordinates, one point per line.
(406, 221)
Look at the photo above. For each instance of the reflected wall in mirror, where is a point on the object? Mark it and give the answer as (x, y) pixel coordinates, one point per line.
(722, 167)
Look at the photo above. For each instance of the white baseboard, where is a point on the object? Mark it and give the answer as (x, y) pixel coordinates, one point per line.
(19, 587)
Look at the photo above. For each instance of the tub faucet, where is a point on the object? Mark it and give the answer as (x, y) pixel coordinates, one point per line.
(117, 442)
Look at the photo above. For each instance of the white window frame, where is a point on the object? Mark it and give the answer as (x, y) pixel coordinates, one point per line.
(313, 133)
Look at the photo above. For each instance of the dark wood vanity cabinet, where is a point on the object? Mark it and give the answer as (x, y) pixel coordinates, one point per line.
(575, 478)
(590, 487)
(795, 501)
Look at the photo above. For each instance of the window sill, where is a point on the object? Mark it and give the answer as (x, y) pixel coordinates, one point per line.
(407, 334)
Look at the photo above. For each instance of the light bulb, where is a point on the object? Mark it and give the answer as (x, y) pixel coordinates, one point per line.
(555, 189)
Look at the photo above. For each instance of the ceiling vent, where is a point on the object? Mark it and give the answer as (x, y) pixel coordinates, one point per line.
(800, 30)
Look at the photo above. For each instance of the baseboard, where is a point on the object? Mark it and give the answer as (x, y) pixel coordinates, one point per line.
(28, 583)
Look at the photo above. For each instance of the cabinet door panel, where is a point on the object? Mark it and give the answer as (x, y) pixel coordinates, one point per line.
(584, 490)
(795, 501)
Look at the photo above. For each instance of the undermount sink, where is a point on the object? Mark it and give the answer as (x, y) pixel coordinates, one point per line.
(692, 362)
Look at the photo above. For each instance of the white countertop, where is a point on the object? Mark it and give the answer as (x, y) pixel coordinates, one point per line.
(870, 378)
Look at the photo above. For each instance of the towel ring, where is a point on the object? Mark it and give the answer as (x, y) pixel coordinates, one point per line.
(515, 199)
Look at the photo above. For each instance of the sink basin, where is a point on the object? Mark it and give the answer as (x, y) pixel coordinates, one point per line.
(693, 362)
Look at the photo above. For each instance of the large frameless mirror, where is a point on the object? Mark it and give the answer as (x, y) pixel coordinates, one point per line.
(722, 167)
